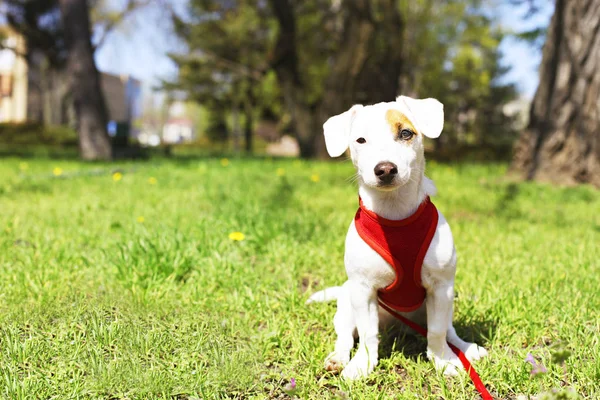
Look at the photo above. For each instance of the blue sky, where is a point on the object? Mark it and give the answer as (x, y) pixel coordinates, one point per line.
(140, 45)
(523, 58)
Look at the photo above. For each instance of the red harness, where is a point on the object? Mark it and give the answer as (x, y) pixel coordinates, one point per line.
(403, 244)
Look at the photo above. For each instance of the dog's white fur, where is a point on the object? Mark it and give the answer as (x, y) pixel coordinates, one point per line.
(357, 307)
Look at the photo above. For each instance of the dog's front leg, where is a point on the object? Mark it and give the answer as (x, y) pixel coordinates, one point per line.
(365, 310)
(344, 328)
(439, 314)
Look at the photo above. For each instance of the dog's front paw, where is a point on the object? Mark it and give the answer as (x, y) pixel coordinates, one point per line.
(448, 363)
(474, 352)
(359, 367)
(335, 361)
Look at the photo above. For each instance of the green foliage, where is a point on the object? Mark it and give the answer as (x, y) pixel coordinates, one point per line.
(216, 127)
(225, 63)
(35, 134)
(40, 24)
(97, 305)
(453, 56)
(534, 36)
(450, 51)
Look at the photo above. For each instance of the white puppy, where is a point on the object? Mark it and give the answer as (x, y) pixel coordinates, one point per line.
(386, 147)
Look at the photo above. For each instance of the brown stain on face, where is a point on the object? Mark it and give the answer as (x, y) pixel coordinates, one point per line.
(398, 121)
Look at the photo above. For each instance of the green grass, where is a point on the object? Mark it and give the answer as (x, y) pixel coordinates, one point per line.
(95, 304)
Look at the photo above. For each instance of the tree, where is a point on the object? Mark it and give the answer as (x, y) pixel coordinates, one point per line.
(326, 56)
(317, 74)
(330, 55)
(41, 22)
(562, 142)
(225, 67)
(38, 21)
(453, 51)
(92, 118)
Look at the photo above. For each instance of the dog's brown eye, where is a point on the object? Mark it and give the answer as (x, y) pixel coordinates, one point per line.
(361, 140)
(406, 134)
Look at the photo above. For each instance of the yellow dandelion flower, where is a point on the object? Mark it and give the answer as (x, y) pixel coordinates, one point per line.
(237, 236)
(140, 219)
(57, 171)
(315, 178)
(23, 166)
(280, 172)
(117, 176)
(224, 162)
(152, 180)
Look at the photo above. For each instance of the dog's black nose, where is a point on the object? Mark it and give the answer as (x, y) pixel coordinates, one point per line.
(386, 171)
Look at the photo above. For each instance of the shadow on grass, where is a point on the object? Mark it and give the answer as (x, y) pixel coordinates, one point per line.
(512, 203)
(133, 153)
(511, 192)
(191, 158)
(412, 345)
(281, 194)
(396, 339)
(33, 152)
(478, 329)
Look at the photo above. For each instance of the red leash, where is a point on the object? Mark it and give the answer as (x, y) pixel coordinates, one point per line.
(485, 395)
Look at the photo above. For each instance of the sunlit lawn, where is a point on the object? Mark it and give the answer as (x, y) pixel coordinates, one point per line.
(128, 285)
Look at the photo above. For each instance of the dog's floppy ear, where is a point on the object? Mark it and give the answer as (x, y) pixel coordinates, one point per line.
(337, 131)
(426, 114)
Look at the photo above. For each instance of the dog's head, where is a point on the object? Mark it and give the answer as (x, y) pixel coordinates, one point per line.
(385, 139)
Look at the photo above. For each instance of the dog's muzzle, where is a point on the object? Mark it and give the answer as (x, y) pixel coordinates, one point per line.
(385, 172)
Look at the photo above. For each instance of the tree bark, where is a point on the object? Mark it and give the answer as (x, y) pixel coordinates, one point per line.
(46, 80)
(285, 63)
(90, 108)
(562, 142)
(235, 122)
(248, 128)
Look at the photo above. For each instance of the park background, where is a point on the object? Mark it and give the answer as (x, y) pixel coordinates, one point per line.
(167, 205)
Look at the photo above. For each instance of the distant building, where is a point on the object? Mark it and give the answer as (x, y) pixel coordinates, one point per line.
(13, 80)
(179, 127)
(123, 95)
(27, 93)
(178, 130)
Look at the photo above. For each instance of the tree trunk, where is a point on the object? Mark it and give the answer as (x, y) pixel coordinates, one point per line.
(235, 122)
(285, 63)
(562, 142)
(92, 118)
(248, 131)
(46, 91)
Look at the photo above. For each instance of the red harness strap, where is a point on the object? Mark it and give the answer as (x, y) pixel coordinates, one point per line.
(403, 244)
(485, 395)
